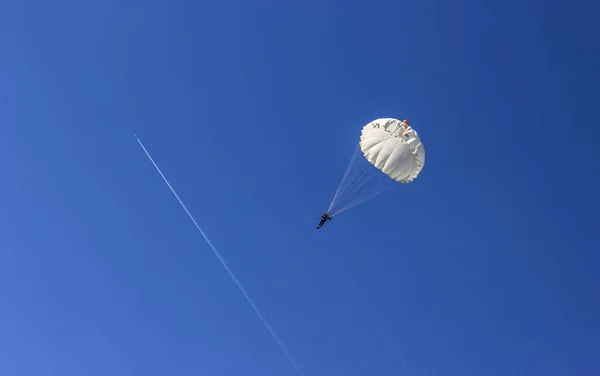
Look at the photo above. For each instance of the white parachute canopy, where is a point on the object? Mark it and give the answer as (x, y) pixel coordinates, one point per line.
(389, 152)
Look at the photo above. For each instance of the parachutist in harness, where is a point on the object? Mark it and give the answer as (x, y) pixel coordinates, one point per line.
(324, 219)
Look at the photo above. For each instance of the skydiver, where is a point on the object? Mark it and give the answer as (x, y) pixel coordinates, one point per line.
(324, 218)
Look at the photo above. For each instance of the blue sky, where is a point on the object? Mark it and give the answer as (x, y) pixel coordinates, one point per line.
(485, 265)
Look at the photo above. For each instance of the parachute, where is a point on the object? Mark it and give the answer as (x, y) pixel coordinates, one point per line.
(389, 152)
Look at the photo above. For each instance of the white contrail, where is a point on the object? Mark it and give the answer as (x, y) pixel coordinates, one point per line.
(237, 282)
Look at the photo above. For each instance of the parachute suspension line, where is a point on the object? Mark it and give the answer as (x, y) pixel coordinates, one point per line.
(373, 185)
(360, 182)
(355, 155)
(356, 189)
(356, 168)
(382, 186)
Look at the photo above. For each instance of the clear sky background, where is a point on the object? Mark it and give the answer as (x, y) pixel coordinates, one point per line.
(486, 265)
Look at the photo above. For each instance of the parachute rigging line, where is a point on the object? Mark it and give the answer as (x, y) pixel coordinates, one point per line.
(361, 181)
(224, 264)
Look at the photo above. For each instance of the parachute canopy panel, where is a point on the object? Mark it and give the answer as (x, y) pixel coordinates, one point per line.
(393, 147)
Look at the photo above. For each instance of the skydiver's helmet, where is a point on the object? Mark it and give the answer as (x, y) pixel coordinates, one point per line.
(405, 121)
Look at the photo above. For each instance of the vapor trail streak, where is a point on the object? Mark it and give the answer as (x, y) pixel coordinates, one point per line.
(233, 277)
